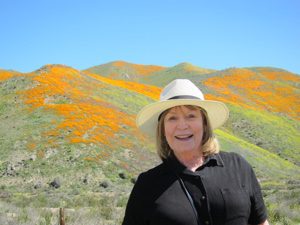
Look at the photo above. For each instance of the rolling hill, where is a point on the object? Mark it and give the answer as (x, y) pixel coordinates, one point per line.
(68, 137)
(124, 71)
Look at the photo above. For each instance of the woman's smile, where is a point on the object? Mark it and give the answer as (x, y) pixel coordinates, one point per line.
(184, 137)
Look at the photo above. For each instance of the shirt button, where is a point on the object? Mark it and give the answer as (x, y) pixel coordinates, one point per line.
(206, 222)
(203, 197)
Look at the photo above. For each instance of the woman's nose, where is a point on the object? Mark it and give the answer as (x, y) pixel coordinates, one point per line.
(182, 123)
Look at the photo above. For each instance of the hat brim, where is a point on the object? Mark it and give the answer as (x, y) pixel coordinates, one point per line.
(147, 118)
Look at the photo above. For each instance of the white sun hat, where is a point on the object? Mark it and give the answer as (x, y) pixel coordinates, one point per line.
(180, 92)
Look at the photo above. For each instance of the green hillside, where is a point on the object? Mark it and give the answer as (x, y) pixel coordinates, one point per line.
(149, 74)
(182, 70)
(68, 137)
(124, 71)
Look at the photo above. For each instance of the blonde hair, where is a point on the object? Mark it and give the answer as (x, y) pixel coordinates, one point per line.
(210, 144)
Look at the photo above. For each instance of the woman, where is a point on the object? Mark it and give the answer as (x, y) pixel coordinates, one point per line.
(195, 184)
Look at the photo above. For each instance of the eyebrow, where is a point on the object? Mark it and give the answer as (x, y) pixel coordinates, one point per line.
(171, 112)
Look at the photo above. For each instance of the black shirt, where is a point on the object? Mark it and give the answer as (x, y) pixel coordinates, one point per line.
(224, 190)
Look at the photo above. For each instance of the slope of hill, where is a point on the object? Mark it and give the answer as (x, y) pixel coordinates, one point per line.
(123, 70)
(55, 126)
(68, 137)
(263, 111)
(258, 89)
(148, 74)
(182, 70)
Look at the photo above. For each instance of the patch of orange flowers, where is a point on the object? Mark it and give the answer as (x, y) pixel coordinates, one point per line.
(85, 119)
(4, 74)
(278, 75)
(245, 87)
(147, 90)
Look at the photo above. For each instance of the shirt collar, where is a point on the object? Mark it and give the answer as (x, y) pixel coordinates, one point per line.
(173, 163)
(216, 158)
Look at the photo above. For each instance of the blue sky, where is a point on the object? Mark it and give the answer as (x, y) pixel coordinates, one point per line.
(207, 33)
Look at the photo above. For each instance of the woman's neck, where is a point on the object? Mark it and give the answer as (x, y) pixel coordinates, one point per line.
(191, 161)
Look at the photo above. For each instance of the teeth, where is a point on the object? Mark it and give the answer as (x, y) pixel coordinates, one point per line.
(183, 136)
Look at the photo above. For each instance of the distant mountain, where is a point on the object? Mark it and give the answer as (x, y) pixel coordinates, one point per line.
(68, 137)
(149, 74)
(124, 70)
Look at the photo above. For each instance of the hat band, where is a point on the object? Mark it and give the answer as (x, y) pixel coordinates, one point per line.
(179, 97)
(184, 97)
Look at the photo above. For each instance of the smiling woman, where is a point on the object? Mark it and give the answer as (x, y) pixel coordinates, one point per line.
(183, 131)
(195, 184)
(186, 116)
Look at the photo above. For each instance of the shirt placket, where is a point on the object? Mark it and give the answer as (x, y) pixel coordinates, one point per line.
(200, 198)
(205, 199)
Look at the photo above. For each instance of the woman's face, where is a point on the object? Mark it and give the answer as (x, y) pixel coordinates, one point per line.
(183, 127)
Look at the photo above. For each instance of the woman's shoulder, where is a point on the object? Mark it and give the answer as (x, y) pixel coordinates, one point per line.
(233, 158)
(153, 172)
(231, 155)
(152, 179)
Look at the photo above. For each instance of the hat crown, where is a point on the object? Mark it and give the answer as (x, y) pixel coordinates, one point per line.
(181, 88)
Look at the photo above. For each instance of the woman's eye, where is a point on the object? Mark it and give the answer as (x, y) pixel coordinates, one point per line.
(172, 118)
(191, 116)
